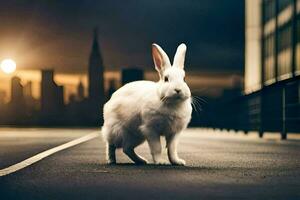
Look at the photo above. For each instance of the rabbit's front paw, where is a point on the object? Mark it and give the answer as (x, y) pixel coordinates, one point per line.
(161, 162)
(179, 161)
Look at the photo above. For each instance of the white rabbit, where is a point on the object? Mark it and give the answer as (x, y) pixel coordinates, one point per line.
(146, 110)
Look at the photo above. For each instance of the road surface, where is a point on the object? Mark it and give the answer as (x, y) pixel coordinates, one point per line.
(219, 166)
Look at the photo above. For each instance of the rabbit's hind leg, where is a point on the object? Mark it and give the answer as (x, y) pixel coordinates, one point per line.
(129, 143)
(111, 154)
(113, 137)
(139, 160)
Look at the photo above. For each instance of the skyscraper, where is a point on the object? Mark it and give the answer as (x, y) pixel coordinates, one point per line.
(30, 101)
(2, 97)
(272, 65)
(16, 91)
(52, 101)
(96, 83)
(80, 91)
(111, 88)
(17, 105)
(132, 74)
(272, 43)
(28, 90)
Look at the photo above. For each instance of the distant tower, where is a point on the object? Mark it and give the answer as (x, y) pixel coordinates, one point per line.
(96, 82)
(31, 103)
(2, 97)
(52, 99)
(28, 90)
(17, 103)
(17, 94)
(112, 87)
(80, 91)
(132, 74)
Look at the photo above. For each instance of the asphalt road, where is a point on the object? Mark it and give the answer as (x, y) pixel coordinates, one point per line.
(219, 166)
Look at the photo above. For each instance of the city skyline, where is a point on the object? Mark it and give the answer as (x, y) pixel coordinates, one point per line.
(56, 105)
(206, 80)
(63, 62)
(51, 108)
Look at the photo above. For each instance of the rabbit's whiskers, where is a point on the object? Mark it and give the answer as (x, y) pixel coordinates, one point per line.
(197, 104)
(163, 98)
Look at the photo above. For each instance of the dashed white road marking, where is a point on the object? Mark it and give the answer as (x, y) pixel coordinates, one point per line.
(44, 154)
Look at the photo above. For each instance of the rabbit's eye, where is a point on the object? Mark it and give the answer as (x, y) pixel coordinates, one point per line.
(166, 79)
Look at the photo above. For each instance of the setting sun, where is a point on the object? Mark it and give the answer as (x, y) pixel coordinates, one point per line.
(8, 66)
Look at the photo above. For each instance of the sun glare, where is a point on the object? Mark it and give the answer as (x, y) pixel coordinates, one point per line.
(8, 66)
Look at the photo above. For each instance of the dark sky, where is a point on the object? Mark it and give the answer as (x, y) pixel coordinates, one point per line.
(58, 33)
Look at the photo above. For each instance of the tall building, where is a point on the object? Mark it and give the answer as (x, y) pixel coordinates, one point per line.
(17, 107)
(112, 87)
(132, 74)
(52, 98)
(96, 94)
(28, 90)
(272, 42)
(2, 97)
(272, 65)
(16, 91)
(80, 91)
(32, 104)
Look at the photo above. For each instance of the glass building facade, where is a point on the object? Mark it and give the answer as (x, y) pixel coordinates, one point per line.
(272, 66)
(280, 21)
(298, 38)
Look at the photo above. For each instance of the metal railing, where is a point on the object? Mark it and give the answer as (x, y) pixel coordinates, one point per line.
(274, 108)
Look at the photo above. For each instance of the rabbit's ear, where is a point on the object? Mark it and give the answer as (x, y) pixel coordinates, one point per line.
(180, 56)
(160, 58)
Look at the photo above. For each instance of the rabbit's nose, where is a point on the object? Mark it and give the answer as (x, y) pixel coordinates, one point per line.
(177, 90)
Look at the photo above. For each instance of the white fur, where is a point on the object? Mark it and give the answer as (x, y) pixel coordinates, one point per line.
(146, 110)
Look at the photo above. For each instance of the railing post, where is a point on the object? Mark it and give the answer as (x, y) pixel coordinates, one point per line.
(261, 114)
(261, 133)
(283, 107)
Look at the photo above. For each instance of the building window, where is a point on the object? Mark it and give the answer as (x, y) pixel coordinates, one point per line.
(269, 9)
(269, 58)
(282, 4)
(284, 63)
(285, 37)
(269, 70)
(298, 48)
(284, 57)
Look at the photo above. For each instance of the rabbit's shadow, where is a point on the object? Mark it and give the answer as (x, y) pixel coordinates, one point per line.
(152, 167)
